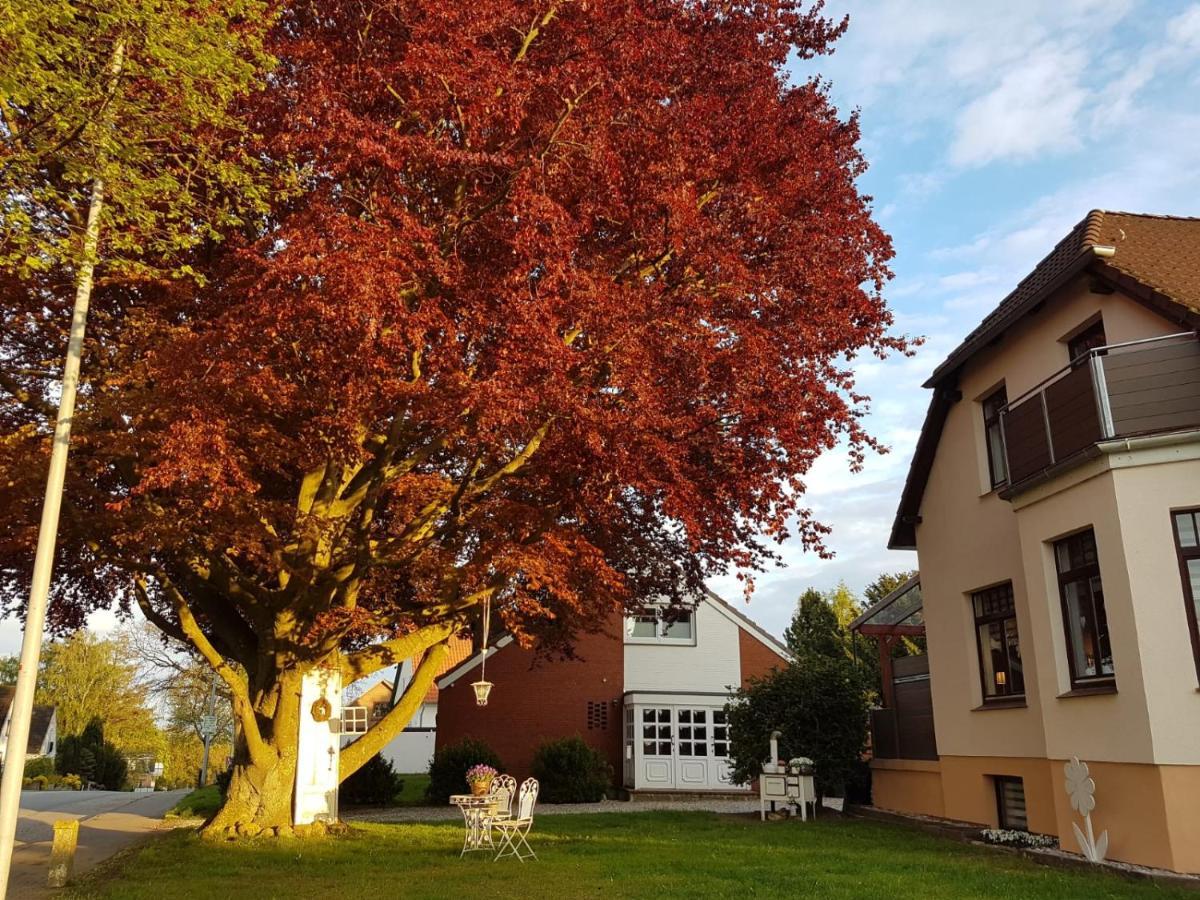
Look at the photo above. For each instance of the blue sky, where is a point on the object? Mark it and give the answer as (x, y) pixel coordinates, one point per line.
(991, 128)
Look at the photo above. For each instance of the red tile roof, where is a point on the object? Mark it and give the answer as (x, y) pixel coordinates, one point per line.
(1155, 259)
(460, 649)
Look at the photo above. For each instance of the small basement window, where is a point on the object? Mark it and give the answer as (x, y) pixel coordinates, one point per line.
(1010, 802)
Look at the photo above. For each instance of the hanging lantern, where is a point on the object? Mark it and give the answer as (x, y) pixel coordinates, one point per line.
(482, 689)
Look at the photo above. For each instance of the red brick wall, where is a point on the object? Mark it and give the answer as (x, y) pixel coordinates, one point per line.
(757, 658)
(532, 703)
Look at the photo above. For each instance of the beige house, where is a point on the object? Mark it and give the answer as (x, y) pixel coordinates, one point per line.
(1054, 503)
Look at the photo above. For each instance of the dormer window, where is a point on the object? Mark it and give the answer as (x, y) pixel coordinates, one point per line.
(675, 627)
(1087, 340)
(994, 436)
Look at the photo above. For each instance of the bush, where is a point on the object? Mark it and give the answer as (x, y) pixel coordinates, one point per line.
(92, 757)
(858, 784)
(448, 768)
(571, 771)
(820, 710)
(40, 765)
(375, 784)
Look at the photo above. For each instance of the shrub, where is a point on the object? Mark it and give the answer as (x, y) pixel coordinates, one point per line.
(858, 784)
(448, 768)
(71, 782)
(92, 757)
(39, 782)
(375, 784)
(40, 765)
(571, 771)
(820, 710)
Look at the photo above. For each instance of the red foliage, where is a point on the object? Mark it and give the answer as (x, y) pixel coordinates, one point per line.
(613, 227)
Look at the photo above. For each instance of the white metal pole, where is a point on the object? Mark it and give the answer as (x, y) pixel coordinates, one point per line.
(43, 564)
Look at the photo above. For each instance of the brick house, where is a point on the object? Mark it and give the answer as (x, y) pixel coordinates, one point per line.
(647, 693)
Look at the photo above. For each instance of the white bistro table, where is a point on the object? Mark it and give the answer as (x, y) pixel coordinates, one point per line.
(475, 809)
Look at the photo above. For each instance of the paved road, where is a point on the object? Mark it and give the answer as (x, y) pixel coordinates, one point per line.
(108, 821)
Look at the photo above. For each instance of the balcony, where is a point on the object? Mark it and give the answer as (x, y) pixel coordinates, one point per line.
(1122, 390)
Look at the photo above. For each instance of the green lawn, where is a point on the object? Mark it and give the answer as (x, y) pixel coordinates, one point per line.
(654, 854)
(413, 792)
(200, 803)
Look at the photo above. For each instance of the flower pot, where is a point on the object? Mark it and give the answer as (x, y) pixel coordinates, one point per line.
(480, 788)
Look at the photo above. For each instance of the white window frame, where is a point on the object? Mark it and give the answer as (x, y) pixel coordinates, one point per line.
(354, 720)
(661, 637)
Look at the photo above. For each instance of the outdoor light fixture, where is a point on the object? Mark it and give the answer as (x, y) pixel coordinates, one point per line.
(482, 689)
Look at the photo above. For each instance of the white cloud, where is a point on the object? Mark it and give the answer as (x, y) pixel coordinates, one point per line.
(1033, 110)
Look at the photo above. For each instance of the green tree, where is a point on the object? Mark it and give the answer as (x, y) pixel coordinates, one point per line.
(819, 708)
(87, 678)
(814, 628)
(9, 665)
(884, 584)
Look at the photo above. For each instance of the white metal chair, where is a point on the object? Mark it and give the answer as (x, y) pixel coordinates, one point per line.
(504, 789)
(514, 832)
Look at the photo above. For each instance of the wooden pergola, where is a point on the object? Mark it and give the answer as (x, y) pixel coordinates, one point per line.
(896, 616)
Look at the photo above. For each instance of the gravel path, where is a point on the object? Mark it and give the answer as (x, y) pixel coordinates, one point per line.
(447, 813)
(440, 813)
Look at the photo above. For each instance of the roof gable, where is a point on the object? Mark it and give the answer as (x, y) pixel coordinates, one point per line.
(1154, 259)
(722, 606)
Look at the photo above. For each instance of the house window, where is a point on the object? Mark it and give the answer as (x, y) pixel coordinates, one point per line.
(354, 720)
(1089, 650)
(673, 627)
(1187, 543)
(994, 436)
(1088, 339)
(1010, 803)
(999, 646)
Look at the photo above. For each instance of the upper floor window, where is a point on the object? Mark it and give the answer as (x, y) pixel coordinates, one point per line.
(675, 627)
(1088, 339)
(1089, 650)
(994, 436)
(1000, 667)
(354, 720)
(1187, 543)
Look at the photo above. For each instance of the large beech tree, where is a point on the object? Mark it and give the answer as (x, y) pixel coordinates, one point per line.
(559, 318)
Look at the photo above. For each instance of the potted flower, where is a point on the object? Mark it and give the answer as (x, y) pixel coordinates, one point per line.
(801, 765)
(479, 778)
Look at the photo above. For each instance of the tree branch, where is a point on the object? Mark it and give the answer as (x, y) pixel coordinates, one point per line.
(356, 755)
(372, 659)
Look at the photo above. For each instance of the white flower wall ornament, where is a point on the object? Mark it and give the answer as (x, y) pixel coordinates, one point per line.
(1082, 791)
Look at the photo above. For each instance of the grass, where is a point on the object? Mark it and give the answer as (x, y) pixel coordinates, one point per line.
(413, 792)
(652, 854)
(199, 804)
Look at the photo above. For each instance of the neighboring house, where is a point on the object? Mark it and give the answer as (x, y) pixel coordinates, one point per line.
(646, 692)
(412, 749)
(1054, 503)
(43, 727)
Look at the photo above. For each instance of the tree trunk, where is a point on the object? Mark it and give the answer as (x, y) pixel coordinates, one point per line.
(259, 796)
(262, 790)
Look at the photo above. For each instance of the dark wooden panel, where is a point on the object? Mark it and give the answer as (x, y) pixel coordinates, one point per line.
(905, 666)
(1160, 355)
(1071, 407)
(1154, 387)
(884, 741)
(1025, 439)
(914, 720)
